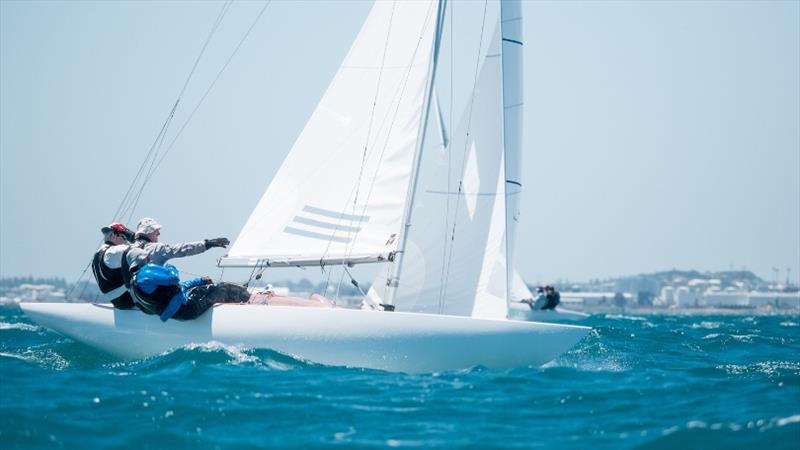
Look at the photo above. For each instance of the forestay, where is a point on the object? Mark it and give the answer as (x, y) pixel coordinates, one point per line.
(340, 194)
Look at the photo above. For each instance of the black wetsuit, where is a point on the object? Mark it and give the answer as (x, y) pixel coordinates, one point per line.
(111, 281)
(553, 299)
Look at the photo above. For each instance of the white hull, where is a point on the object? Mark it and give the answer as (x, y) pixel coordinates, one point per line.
(394, 341)
(521, 311)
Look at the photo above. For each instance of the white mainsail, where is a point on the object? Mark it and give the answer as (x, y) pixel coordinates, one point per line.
(499, 279)
(340, 194)
(451, 231)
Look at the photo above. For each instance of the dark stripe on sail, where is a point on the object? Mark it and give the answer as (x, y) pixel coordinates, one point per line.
(311, 234)
(514, 182)
(512, 41)
(330, 226)
(335, 214)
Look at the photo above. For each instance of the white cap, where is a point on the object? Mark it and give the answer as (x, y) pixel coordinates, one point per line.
(147, 225)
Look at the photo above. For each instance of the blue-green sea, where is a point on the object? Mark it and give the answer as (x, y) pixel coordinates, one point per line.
(636, 382)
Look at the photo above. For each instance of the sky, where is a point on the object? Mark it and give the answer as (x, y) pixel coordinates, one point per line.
(658, 135)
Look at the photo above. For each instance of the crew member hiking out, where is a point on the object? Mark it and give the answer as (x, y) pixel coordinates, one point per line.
(107, 273)
(156, 288)
(146, 239)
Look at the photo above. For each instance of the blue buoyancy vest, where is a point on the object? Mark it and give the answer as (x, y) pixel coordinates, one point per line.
(151, 276)
(157, 290)
(161, 288)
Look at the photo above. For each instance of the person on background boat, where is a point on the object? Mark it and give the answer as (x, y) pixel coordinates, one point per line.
(552, 296)
(539, 301)
(546, 298)
(108, 272)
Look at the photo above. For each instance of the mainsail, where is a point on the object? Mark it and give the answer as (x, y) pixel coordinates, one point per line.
(340, 194)
(452, 236)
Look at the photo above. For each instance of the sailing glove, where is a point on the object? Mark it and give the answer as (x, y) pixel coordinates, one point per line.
(217, 242)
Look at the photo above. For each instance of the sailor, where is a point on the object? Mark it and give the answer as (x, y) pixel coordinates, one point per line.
(171, 299)
(552, 296)
(157, 290)
(539, 301)
(107, 272)
(146, 239)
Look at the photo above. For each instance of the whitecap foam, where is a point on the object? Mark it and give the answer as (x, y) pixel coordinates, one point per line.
(591, 356)
(624, 317)
(768, 368)
(748, 338)
(46, 358)
(236, 353)
(18, 326)
(706, 325)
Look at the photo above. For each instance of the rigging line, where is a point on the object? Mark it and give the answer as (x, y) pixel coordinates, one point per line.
(355, 283)
(327, 279)
(135, 200)
(226, 7)
(72, 288)
(401, 92)
(374, 103)
(160, 137)
(449, 154)
(464, 155)
(253, 273)
(351, 245)
(213, 83)
(397, 97)
(339, 285)
(125, 199)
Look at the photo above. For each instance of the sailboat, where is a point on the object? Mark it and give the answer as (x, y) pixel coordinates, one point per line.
(519, 310)
(361, 186)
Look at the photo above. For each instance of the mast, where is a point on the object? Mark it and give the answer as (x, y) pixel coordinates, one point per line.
(511, 27)
(393, 278)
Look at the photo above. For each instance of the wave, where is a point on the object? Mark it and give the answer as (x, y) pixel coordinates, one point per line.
(18, 326)
(768, 368)
(39, 356)
(591, 355)
(192, 357)
(706, 325)
(774, 433)
(624, 317)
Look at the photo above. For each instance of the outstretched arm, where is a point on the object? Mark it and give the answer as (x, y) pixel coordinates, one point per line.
(160, 253)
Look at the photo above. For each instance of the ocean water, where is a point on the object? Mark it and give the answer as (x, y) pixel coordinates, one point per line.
(636, 382)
